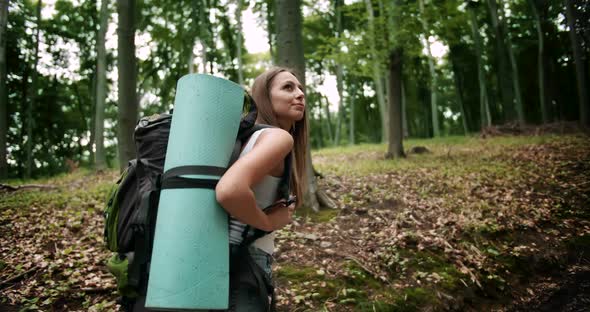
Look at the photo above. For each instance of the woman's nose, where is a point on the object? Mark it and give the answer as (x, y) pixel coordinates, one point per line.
(299, 95)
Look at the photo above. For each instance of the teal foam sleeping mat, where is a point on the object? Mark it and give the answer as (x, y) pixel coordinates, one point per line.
(190, 258)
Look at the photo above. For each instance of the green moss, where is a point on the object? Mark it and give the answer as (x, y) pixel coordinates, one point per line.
(295, 274)
(358, 277)
(375, 306)
(356, 288)
(309, 283)
(427, 261)
(445, 153)
(324, 215)
(413, 299)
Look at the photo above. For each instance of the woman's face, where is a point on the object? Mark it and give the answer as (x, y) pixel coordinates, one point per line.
(287, 99)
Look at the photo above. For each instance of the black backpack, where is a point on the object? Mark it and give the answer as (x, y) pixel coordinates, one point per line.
(131, 210)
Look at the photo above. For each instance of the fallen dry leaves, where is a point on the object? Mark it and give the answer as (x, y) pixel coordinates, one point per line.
(444, 222)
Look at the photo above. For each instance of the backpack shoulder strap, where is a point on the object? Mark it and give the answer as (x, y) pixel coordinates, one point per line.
(243, 136)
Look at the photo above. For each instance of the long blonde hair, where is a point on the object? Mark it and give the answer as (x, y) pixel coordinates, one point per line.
(261, 95)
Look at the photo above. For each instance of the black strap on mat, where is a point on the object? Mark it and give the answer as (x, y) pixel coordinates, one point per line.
(173, 178)
(189, 170)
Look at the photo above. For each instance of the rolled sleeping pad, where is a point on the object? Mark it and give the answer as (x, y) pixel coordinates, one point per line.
(190, 258)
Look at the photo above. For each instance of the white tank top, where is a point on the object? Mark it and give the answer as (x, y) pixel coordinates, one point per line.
(266, 193)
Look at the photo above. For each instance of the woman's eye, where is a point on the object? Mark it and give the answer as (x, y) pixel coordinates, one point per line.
(288, 87)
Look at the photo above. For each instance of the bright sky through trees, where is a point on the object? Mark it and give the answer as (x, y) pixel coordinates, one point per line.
(256, 41)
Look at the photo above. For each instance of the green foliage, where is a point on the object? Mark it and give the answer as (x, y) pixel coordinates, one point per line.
(64, 102)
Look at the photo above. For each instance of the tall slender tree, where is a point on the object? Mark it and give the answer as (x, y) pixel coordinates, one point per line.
(395, 148)
(484, 107)
(458, 80)
(289, 47)
(3, 91)
(540, 59)
(581, 74)
(33, 96)
(101, 86)
(503, 74)
(394, 60)
(339, 72)
(519, 109)
(377, 73)
(404, 111)
(433, 76)
(270, 28)
(126, 64)
(351, 129)
(239, 36)
(328, 119)
(205, 33)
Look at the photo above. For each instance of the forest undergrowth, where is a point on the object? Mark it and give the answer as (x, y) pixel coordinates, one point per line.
(468, 225)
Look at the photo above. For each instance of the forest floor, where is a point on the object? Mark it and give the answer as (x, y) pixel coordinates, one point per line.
(500, 223)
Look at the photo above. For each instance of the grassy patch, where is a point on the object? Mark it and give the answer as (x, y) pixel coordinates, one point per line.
(356, 288)
(445, 153)
(412, 299)
(362, 292)
(324, 215)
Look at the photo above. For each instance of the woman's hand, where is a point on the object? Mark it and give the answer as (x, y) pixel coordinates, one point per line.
(279, 215)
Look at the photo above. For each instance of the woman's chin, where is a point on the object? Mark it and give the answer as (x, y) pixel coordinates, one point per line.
(298, 117)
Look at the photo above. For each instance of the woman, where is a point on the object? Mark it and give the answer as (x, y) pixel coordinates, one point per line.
(252, 182)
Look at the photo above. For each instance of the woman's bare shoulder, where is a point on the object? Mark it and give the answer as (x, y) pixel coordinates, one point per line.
(275, 136)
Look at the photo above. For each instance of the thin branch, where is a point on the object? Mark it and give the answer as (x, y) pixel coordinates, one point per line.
(92, 290)
(25, 186)
(371, 272)
(18, 277)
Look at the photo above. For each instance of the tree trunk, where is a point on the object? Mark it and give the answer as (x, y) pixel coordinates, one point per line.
(339, 75)
(395, 148)
(503, 75)
(484, 108)
(340, 104)
(33, 97)
(541, 56)
(191, 59)
(320, 134)
(239, 42)
(92, 128)
(377, 73)
(433, 77)
(290, 54)
(329, 120)
(404, 111)
(126, 64)
(458, 79)
(20, 166)
(351, 121)
(581, 78)
(289, 37)
(204, 33)
(101, 86)
(519, 108)
(270, 29)
(3, 92)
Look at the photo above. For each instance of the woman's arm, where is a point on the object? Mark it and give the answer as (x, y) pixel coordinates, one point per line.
(234, 190)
